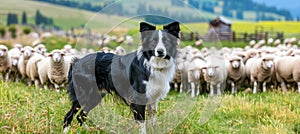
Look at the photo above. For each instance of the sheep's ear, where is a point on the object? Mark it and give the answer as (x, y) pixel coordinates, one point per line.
(50, 55)
(173, 28)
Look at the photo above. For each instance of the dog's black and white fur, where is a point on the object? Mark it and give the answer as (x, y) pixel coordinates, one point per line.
(140, 78)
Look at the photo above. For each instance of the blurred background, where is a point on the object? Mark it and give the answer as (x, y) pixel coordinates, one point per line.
(59, 22)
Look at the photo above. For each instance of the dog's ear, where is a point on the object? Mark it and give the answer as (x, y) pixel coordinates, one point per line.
(146, 27)
(173, 28)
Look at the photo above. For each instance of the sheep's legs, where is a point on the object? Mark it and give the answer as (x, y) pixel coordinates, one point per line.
(283, 86)
(7, 76)
(37, 84)
(255, 87)
(264, 86)
(29, 82)
(181, 88)
(232, 88)
(211, 90)
(46, 86)
(198, 89)
(56, 87)
(219, 89)
(193, 88)
(298, 87)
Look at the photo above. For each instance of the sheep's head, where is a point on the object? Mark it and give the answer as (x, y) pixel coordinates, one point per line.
(41, 49)
(267, 62)
(210, 70)
(3, 51)
(19, 46)
(56, 55)
(27, 51)
(235, 62)
(120, 51)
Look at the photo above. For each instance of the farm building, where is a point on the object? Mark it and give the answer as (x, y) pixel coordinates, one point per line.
(219, 28)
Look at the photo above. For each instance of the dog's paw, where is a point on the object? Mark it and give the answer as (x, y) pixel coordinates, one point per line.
(66, 130)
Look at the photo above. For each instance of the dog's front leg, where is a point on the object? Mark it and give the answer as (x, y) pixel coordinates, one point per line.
(139, 116)
(152, 109)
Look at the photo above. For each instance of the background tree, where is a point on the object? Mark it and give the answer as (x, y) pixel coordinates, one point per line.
(2, 31)
(38, 17)
(26, 30)
(12, 29)
(24, 18)
(12, 19)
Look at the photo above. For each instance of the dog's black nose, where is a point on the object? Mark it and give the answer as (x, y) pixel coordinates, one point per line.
(160, 51)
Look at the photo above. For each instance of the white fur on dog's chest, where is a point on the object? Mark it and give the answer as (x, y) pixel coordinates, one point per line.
(157, 86)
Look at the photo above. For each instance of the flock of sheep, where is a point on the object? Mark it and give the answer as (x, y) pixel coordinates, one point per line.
(261, 65)
(257, 67)
(35, 66)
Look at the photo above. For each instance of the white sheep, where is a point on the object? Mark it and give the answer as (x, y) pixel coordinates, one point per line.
(251, 53)
(67, 48)
(14, 54)
(198, 42)
(277, 42)
(27, 52)
(18, 46)
(270, 41)
(260, 70)
(41, 49)
(32, 69)
(177, 77)
(120, 50)
(54, 68)
(292, 40)
(36, 42)
(129, 40)
(252, 43)
(259, 44)
(236, 72)
(215, 72)
(5, 62)
(287, 70)
(195, 75)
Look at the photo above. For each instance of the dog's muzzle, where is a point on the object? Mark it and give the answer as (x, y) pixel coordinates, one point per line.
(160, 53)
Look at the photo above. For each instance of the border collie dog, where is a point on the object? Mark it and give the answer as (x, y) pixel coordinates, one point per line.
(140, 78)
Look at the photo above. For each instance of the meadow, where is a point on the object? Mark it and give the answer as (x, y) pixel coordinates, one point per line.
(23, 109)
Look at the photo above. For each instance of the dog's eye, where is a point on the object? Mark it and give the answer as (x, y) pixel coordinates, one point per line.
(166, 40)
(153, 40)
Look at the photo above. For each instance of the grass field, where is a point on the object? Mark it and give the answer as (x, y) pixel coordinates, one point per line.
(24, 109)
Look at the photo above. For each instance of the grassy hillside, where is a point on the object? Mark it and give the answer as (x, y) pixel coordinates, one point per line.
(24, 109)
(63, 16)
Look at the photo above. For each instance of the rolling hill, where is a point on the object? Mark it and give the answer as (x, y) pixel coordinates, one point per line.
(63, 16)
